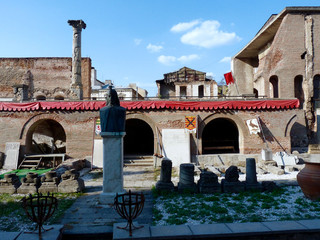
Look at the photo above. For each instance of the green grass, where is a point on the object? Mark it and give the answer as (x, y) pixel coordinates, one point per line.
(13, 216)
(287, 203)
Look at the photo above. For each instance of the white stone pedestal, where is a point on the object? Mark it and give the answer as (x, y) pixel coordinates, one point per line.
(112, 166)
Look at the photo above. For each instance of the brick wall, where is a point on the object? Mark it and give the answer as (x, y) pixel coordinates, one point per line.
(50, 76)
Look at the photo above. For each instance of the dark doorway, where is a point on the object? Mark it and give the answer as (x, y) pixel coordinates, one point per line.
(45, 137)
(201, 91)
(220, 136)
(139, 139)
(183, 91)
(316, 91)
(298, 90)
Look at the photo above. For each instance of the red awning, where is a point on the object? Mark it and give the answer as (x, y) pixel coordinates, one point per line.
(138, 105)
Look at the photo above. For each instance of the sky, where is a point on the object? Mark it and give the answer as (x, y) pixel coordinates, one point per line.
(137, 41)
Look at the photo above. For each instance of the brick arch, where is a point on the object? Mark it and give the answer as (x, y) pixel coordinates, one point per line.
(31, 123)
(152, 125)
(239, 123)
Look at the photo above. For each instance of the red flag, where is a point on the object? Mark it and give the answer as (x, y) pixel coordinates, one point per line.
(228, 77)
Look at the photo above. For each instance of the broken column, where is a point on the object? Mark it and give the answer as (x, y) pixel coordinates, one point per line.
(49, 182)
(186, 178)
(112, 119)
(71, 182)
(251, 175)
(30, 184)
(208, 183)
(10, 183)
(231, 183)
(165, 182)
(76, 83)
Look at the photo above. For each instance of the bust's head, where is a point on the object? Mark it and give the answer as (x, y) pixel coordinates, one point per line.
(112, 98)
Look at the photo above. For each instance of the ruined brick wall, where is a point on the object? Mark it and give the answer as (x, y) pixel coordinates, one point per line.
(284, 56)
(49, 76)
(79, 127)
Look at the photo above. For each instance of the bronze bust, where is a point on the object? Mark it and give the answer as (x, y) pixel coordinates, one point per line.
(112, 116)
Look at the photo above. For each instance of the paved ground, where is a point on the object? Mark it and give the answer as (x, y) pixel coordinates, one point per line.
(88, 215)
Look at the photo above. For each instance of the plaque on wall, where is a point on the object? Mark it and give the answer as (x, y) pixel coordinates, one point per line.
(11, 155)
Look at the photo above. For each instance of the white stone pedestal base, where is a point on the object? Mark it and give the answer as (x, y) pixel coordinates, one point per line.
(112, 166)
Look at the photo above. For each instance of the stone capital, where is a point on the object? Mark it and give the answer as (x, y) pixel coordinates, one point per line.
(77, 24)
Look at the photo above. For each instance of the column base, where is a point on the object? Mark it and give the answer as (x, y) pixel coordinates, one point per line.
(108, 198)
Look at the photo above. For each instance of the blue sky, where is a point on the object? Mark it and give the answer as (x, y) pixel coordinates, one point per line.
(137, 41)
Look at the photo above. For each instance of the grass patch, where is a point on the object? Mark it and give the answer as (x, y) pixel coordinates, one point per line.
(287, 203)
(13, 216)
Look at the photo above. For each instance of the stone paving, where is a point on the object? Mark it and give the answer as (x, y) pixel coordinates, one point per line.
(88, 215)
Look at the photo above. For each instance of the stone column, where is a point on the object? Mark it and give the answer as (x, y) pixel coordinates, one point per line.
(186, 178)
(251, 175)
(76, 83)
(165, 182)
(112, 166)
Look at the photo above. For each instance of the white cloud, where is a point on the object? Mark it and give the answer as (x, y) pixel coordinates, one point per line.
(208, 35)
(154, 48)
(210, 74)
(137, 41)
(169, 60)
(188, 58)
(225, 60)
(181, 27)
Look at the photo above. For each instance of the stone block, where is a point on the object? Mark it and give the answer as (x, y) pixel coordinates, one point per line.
(11, 155)
(30, 184)
(208, 183)
(253, 187)
(283, 159)
(71, 186)
(9, 184)
(233, 187)
(275, 170)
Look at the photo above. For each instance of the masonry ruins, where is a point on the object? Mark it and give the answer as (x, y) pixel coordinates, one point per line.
(46, 103)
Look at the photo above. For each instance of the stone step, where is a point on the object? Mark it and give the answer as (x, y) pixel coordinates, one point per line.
(138, 162)
(138, 157)
(31, 160)
(28, 165)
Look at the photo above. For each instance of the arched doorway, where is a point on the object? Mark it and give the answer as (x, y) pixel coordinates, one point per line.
(46, 136)
(274, 87)
(139, 139)
(220, 135)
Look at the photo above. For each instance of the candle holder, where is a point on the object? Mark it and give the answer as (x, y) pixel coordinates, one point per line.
(129, 206)
(39, 208)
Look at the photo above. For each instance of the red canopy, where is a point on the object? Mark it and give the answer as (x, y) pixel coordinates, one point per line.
(137, 105)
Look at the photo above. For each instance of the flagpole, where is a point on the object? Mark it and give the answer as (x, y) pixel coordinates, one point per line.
(197, 136)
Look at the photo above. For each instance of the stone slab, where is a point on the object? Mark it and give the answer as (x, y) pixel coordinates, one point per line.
(176, 145)
(284, 226)
(123, 234)
(97, 159)
(311, 224)
(9, 235)
(210, 229)
(53, 234)
(87, 229)
(283, 159)
(252, 227)
(11, 155)
(179, 231)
